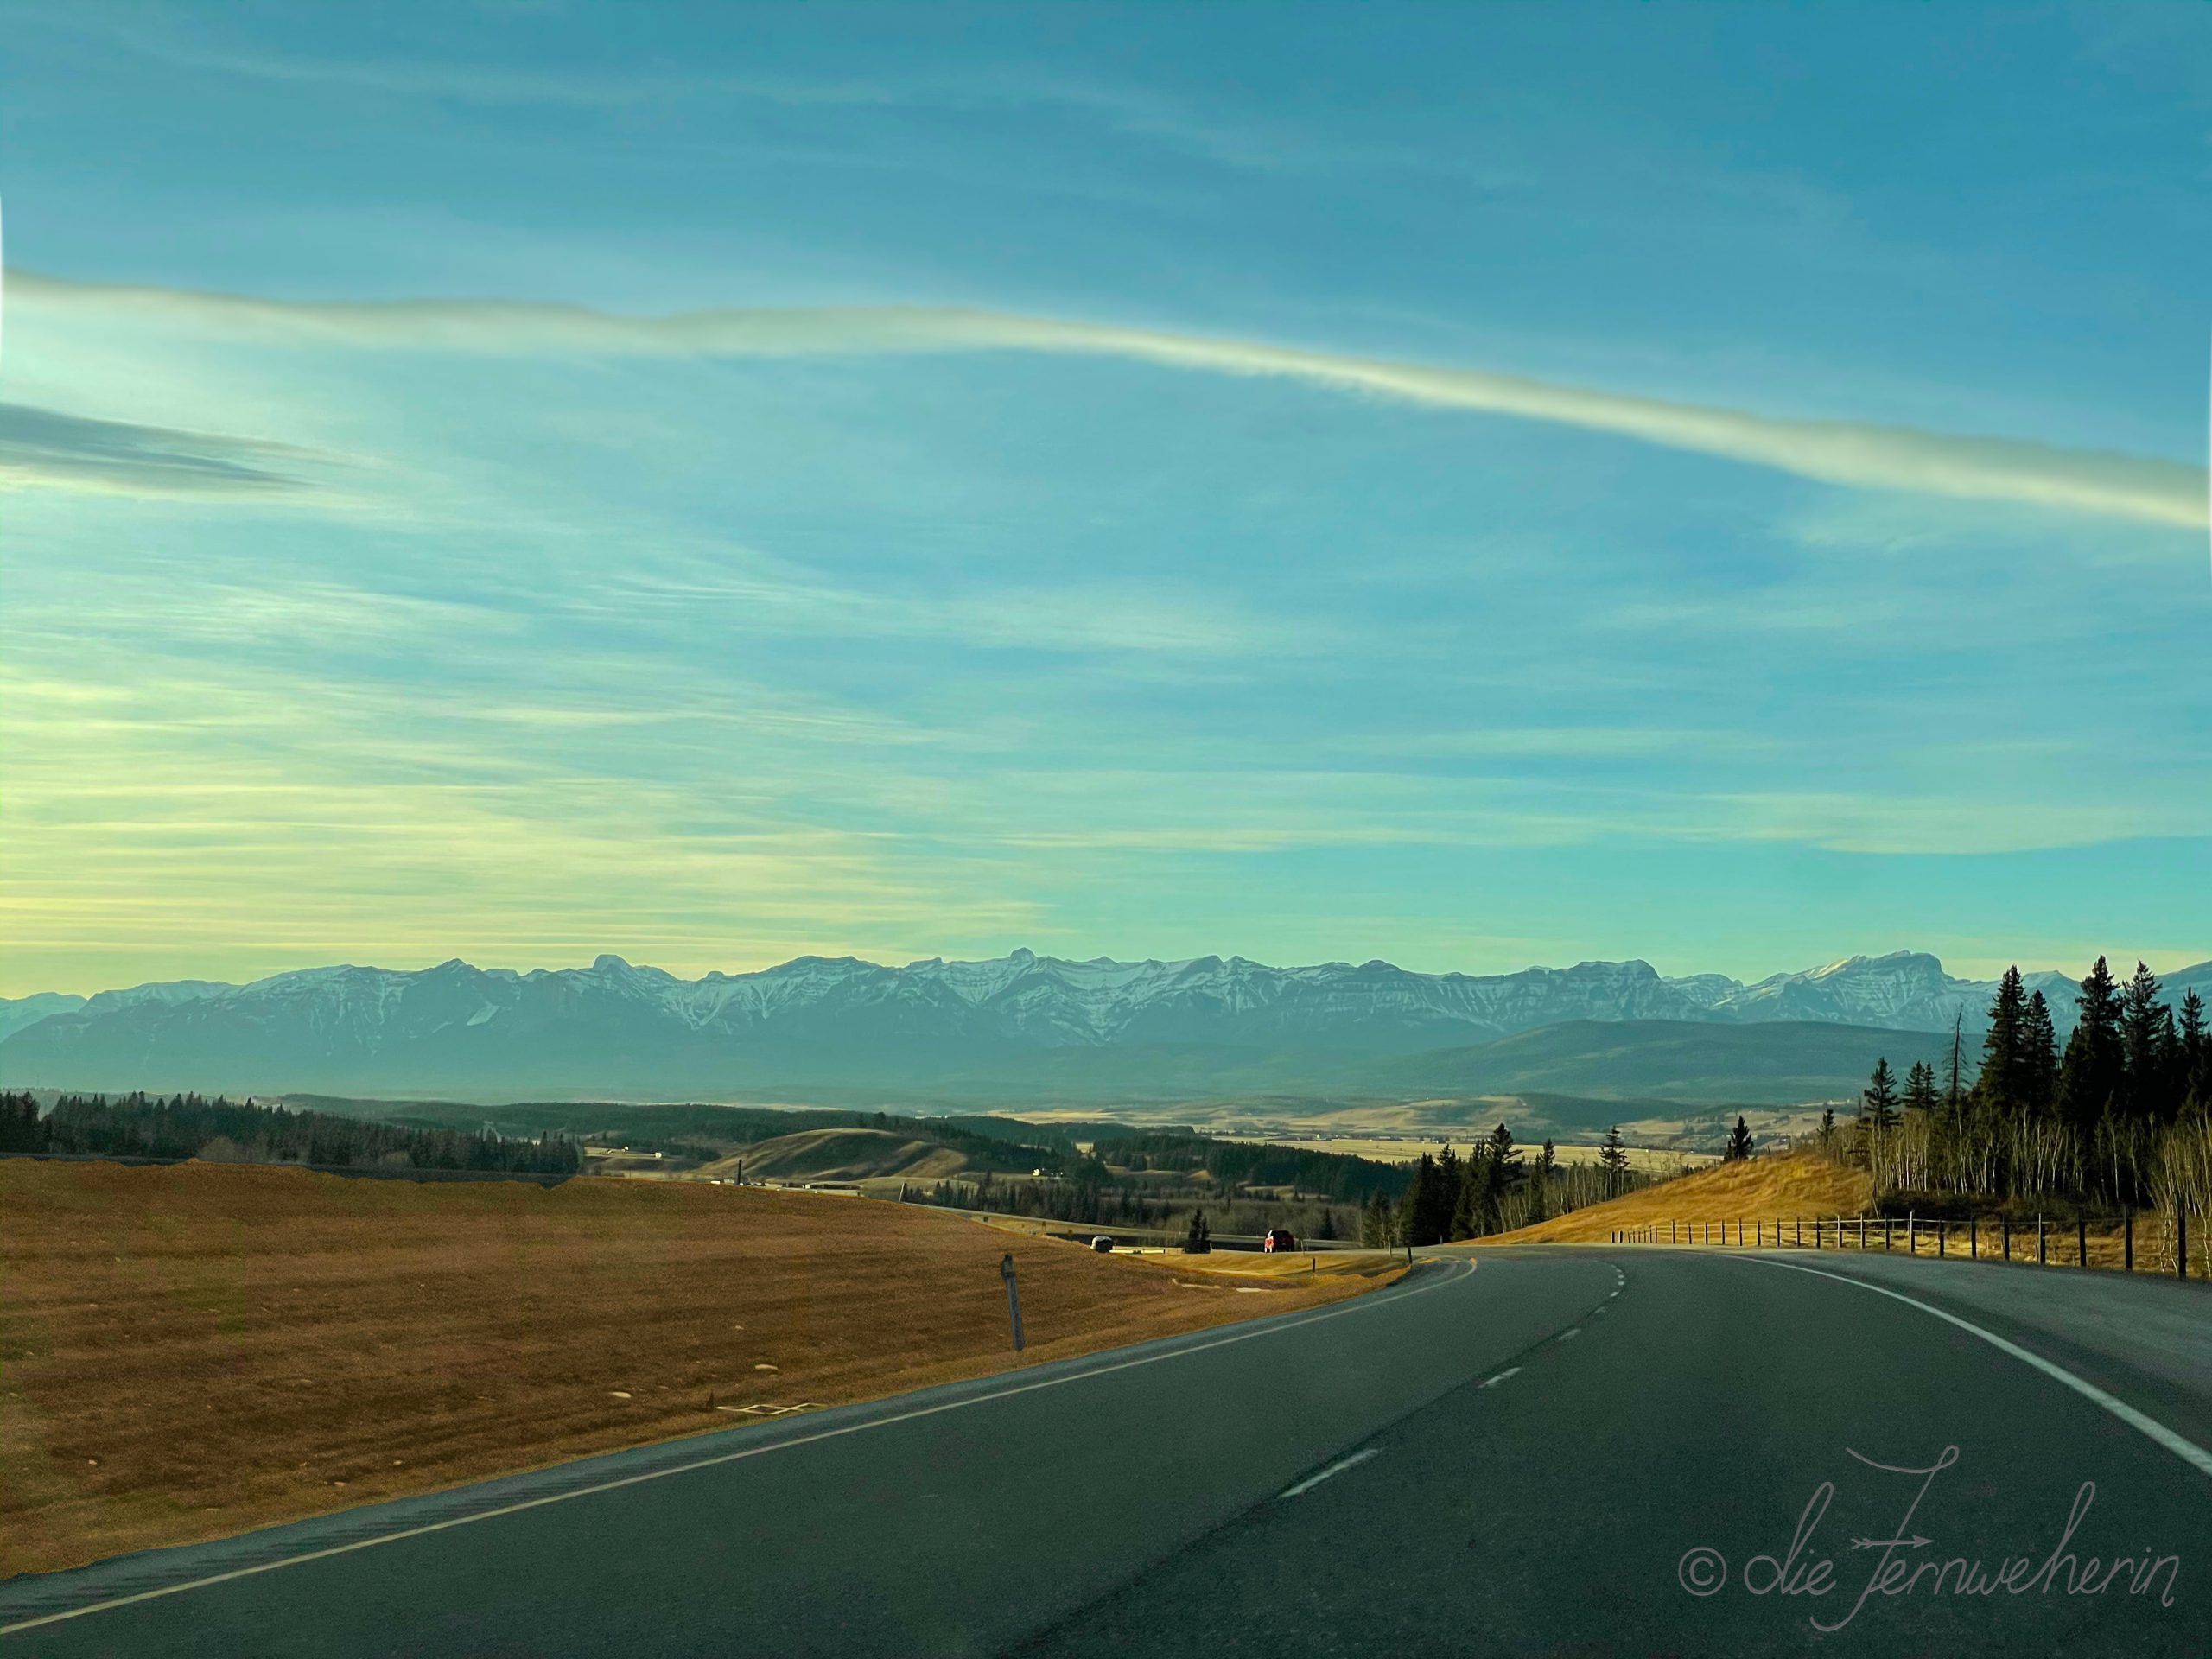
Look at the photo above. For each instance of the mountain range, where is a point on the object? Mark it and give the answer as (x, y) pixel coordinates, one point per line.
(1019, 1026)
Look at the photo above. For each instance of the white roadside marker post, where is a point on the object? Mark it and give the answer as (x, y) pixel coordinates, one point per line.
(1012, 1296)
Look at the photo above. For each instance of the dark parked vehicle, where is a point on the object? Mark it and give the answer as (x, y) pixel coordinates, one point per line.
(1279, 1238)
(1101, 1244)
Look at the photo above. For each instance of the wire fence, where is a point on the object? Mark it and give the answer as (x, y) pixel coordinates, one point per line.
(2126, 1242)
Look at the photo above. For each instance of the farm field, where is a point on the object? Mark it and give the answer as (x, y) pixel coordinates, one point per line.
(196, 1350)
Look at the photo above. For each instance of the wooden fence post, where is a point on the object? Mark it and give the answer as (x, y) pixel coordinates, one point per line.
(2081, 1240)
(2181, 1236)
(1973, 1237)
(2043, 1253)
(2127, 1242)
(1911, 1234)
(2007, 1221)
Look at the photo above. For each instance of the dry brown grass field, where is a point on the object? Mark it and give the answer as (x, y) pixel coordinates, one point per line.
(196, 1349)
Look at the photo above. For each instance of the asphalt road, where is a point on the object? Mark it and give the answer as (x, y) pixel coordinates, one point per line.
(1550, 1453)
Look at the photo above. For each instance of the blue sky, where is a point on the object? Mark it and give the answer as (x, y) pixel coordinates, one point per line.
(1470, 485)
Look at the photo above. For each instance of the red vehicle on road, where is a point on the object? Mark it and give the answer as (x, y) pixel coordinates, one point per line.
(1277, 1238)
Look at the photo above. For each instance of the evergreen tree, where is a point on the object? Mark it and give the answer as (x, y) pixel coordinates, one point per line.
(2195, 1058)
(1877, 1102)
(1198, 1241)
(2147, 1046)
(1828, 1126)
(2004, 1043)
(1920, 1087)
(1612, 1158)
(1740, 1139)
(1466, 1201)
(1500, 1173)
(1540, 1186)
(1503, 1154)
(2039, 1060)
(1375, 1221)
(1425, 1213)
(1451, 1187)
(20, 1128)
(2092, 1071)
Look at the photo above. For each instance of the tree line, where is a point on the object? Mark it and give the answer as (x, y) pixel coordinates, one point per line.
(2119, 1116)
(189, 1126)
(1494, 1189)
(1336, 1176)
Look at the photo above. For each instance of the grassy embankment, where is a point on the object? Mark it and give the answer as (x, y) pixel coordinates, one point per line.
(1755, 1189)
(1798, 1186)
(196, 1349)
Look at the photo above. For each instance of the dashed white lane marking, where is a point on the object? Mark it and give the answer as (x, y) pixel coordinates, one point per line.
(1570, 1334)
(2188, 1451)
(1595, 1311)
(1336, 1468)
(1283, 1323)
(1492, 1381)
(1611, 1294)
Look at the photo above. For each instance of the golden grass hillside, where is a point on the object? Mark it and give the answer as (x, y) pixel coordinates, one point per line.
(192, 1350)
(1757, 1189)
(840, 1155)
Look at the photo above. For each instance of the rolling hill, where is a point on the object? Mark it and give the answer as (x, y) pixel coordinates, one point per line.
(842, 1156)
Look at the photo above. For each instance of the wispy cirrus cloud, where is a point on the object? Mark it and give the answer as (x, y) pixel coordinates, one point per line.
(47, 447)
(1857, 454)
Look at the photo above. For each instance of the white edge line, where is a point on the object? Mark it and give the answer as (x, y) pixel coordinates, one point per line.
(1492, 1381)
(1335, 1468)
(2187, 1450)
(1571, 1331)
(1353, 1306)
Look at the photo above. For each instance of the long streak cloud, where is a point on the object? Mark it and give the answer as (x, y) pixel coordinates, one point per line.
(1854, 454)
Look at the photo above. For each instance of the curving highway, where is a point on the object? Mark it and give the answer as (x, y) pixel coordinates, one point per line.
(1573, 1451)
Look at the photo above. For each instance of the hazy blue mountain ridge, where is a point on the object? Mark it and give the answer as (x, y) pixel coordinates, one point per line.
(1020, 1022)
